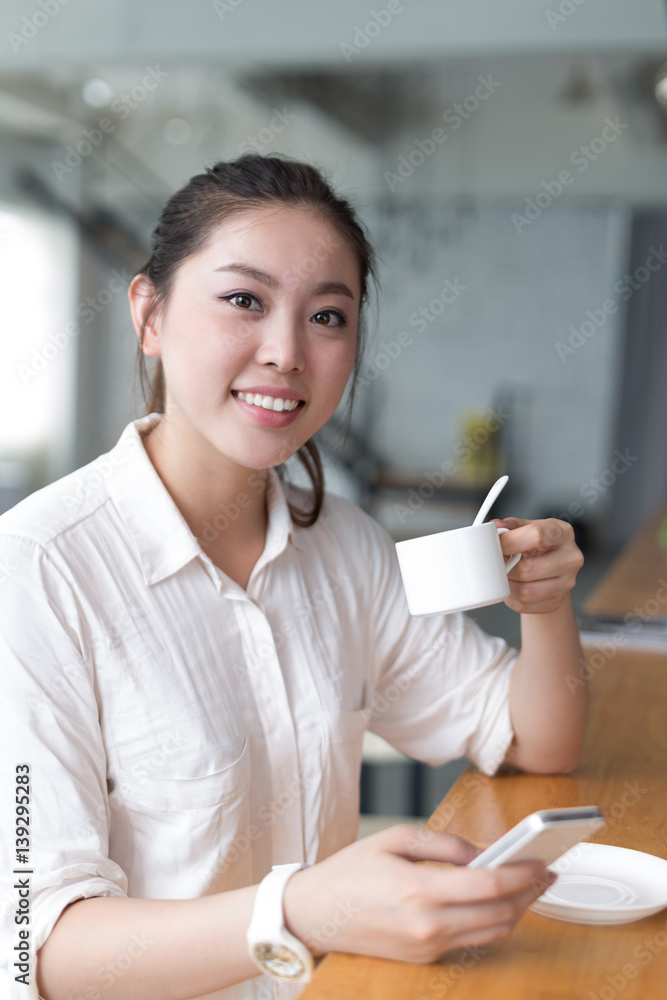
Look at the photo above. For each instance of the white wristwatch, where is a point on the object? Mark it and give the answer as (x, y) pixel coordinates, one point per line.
(271, 945)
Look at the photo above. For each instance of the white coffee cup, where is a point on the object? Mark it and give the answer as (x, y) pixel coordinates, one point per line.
(455, 570)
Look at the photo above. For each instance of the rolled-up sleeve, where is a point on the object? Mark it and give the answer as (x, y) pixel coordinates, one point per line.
(441, 683)
(49, 720)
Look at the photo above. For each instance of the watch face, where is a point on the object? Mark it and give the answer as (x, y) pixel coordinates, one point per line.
(279, 960)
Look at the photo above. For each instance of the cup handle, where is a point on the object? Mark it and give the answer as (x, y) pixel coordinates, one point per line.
(513, 560)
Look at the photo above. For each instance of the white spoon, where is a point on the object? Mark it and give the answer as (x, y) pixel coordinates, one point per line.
(497, 488)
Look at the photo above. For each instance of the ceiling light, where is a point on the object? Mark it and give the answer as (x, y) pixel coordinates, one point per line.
(661, 85)
(97, 93)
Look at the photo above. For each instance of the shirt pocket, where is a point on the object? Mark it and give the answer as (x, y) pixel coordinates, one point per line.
(186, 826)
(196, 792)
(342, 751)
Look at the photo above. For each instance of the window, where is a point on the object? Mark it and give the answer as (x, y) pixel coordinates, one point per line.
(38, 344)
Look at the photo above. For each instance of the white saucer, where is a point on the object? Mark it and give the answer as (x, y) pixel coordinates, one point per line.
(600, 884)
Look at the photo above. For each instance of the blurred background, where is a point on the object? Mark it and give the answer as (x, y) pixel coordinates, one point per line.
(509, 158)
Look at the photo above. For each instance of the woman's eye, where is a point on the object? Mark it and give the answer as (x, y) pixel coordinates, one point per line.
(242, 300)
(330, 317)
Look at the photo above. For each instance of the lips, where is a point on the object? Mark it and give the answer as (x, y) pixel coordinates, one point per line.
(268, 402)
(270, 407)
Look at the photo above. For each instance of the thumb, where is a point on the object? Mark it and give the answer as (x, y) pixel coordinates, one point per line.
(419, 843)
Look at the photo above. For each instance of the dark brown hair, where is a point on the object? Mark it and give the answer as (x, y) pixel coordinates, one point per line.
(188, 222)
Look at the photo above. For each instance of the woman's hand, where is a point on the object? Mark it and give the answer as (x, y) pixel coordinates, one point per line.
(372, 899)
(547, 570)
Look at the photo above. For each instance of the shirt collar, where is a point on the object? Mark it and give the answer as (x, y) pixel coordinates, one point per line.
(163, 537)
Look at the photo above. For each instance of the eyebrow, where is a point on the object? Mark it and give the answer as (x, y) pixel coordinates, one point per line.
(324, 288)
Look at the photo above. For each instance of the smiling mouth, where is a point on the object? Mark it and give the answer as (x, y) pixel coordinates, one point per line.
(275, 403)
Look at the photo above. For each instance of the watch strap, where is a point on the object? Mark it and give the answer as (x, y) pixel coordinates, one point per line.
(268, 917)
(268, 914)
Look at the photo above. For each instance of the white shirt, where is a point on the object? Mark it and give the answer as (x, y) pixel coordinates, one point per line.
(185, 734)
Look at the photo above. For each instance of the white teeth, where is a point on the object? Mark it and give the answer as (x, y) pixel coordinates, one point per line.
(275, 403)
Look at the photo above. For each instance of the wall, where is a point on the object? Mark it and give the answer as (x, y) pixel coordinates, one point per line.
(516, 298)
(480, 201)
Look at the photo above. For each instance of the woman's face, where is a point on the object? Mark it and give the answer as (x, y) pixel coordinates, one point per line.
(258, 336)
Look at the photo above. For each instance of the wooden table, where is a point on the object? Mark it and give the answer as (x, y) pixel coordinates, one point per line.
(637, 579)
(623, 769)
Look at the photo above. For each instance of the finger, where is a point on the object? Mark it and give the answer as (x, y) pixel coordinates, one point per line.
(510, 522)
(499, 916)
(550, 565)
(541, 596)
(539, 591)
(464, 920)
(538, 535)
(469, 885)
(419, 843)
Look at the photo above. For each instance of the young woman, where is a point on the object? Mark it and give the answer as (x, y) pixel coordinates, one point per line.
(192, 649)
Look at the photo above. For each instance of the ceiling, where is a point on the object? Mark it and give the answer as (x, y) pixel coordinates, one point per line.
(311, 34)
(230, 62)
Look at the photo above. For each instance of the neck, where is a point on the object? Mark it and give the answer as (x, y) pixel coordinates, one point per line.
(212, 494)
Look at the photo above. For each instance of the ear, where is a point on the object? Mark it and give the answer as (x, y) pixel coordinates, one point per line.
(141, 293)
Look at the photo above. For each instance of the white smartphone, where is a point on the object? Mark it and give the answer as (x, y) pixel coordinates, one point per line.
(542, 836)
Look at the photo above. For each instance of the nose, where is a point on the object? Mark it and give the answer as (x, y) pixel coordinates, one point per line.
(282, 345)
